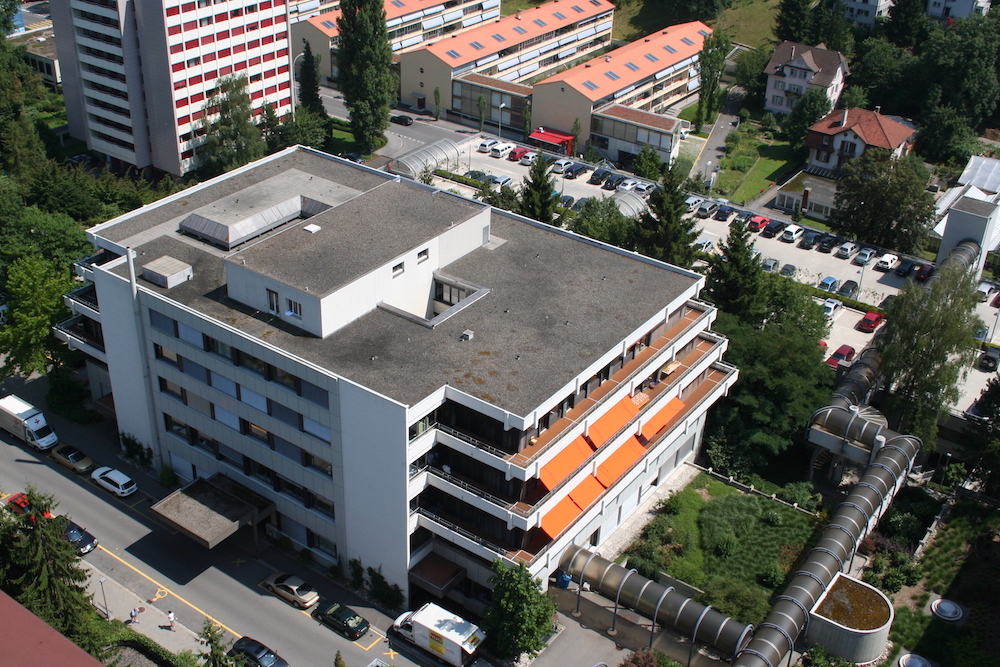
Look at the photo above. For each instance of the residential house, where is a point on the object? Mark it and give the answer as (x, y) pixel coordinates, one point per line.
(794, 68)
(956, 9)
(866, 12)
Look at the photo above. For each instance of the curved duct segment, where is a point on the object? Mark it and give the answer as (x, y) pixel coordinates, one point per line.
(661, 603)
(964, 254)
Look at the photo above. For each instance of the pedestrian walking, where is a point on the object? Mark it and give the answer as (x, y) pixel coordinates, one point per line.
(134, 615)
(170, 620)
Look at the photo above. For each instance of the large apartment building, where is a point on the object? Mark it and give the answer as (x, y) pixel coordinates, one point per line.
(409, 377)
(137, 73)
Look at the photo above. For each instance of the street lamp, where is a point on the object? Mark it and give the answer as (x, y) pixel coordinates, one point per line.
(503, 105)
(294, 80)
(107, 612)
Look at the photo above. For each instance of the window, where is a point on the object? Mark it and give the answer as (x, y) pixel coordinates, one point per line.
(560, 16)
(632, 66)
(219, 348)
(261, 472)
(315, 394)
(822, 156)
(779, 85)
(273, 302)
(398, 270)
(577, 8)
(285, 378)
(322, 465)
(520, 29)
(453, 54)
(687, 41)
(651, 58)
(669, 49)
(612, 76)
(230, 455)
(590, 85)
(178, 428)
(168, 387)
(160, 321)
(329, 24)
(325, 506)
(423, 256)
(196, 402)
(195, 370)
(254, 431)
(778, 100)
(287, 449)
(848, 147)
(252, 363)
(226, 417)
(500, 38)
(284, 414)
(294, 309)
(320, 543)
(169, 356)
(253, 399)
(540, 23)
(315, 428)
(477, 46)
(290, 488)
(194, 61)
(204, 21)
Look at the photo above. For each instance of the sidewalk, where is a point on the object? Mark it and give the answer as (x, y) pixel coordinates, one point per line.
(152, 622)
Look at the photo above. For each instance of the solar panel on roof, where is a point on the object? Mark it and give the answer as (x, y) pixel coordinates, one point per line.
(540, 22)
(578, 9)
(687, 41)
(590, 85)
(327, 24)
(560, 16)
(453, 54)
(520, 30)
(651, 58)
(669, 49)
(500, 38)
(596, 3)
(703, 33)
(632, 66)
(399, 3)
(612, 76)
(477, 46)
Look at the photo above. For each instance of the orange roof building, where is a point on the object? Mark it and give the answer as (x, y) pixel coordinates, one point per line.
(847, 133)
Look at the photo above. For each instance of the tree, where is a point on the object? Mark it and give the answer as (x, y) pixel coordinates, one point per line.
(505, 197)
(56, 188)
(41, 570)
(214, 641)
(575, 131)
(538, 194)
(305, 128)
(309, 82)
(231, 138)
(749, 72)
(601, 219)
(437, 103)
(883, 200)
(736, 277)
(527, 121)
(711, 64)
(339, 661)
(366, 77)
(794, 21)
(7, 10)
(818, 656)
(519, 617)
(946, 135)
(981, 444)
(270, 128)
(647, 164)
(908, 24)
(881, 68)
(662, 231)
(35, 287)
(831, 26)
(854, 97)
(483, 106)
(927, 348)
(37, 233)
(23, 149)
(811, 107)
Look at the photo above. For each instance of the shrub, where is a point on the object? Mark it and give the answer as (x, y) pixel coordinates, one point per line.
(168, 477)
(772, 518)
(880, 564)
(728, 518)
(727, 547)
(893, 581)
(867, 546)
(306, 556)
(743, 163)
(356, 573)
(745, 602)
(670, 505)
(802, 494)
(772, 576)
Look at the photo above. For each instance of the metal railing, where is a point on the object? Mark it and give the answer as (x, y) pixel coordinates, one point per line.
(461, 531)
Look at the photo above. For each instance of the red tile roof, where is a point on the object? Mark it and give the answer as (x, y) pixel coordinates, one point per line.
(872, 127)
(28, 641)
(625, 66)
(393, 9)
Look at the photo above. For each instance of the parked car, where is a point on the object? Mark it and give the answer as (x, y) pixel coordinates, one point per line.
(644, 189)
(559, 166)
(486, 144)
(848, 290)
(354, 157)
(871, 321)
(990, 359)
(771, 264)
(887, 301)
(792, 234)
(518, 153)
(707, 209)
(292, 589)
(79, 537)
(72, 458)
(341, 618)
(114, 481)
(599, 176)
(906, 267)
(924, 272)
(576, 170)
(828, 242)
(627, 185)
(613, 181)
(502, 150)
(498, 181)
(476, 175)
(831, 307)
(886, 262)
(742, 217)
(19, 504)
(704, 244)
(829, 284)
(578, 206)
(724, 213)
(864, 257)
(846, 250)
(693, 203)
(809, 240)
(789, 270)
(985, 290)
(758, 222)
(996, 301)
(566, 201)
(973, 414)
(529, 158)
(402, 119)
(773, 228)
(256, 654)
(843, 353)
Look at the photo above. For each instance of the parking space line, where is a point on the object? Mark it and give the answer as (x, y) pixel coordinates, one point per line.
(380, 638)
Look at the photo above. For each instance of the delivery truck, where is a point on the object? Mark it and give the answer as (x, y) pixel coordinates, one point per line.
(449, 637)
(25, 421)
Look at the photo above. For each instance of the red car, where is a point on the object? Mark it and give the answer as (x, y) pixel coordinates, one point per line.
(843, 353)
(758, 222)
(996, 301)
(871, 321)
(518, 153)
(20, 504)
(923, 273)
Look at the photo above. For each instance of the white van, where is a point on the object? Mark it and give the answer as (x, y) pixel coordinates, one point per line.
(501, 150)
(486, 144)
(792, 234)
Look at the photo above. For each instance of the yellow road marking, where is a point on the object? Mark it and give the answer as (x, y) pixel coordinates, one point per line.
(379, 637)
(392, 654)
(161, 587)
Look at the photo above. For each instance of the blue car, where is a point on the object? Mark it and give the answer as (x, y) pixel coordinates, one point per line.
(829, 284)
(724, 213)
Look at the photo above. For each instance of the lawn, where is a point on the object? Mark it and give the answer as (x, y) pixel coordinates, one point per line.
(776, 157)
(749, 22)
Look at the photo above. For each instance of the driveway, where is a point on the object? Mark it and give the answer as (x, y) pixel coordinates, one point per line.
(715, 148)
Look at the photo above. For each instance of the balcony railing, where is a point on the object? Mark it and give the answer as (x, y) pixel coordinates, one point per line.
(86, 295)
(75, 327)
(461, 531)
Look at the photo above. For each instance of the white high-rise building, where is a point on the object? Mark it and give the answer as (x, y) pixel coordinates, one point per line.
(137, 73)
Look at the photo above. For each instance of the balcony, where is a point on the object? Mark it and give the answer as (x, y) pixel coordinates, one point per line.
(85, 267)
(83, 301)
(83, 334)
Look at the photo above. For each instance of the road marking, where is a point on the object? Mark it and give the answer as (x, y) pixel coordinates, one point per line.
(379, 638)
(392, 654)
(160, 587)
(159, 595)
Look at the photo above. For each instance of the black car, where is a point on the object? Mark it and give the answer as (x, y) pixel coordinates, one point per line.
(256, 654)
(724, 213)
(341, 618)
(578, 206)
(773, 228)
(809, 240)
(828, 242)
(354, 157)
(848, 290)
(476, 175)
(566, 201)
(402, 120)
(80, 538)
(906, 267)
(599, 176)
(575, 170)
(613, 181)
(742, 218)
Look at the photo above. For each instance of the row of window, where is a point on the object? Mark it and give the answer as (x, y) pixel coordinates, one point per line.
(206, 58)
(249, 9)
(252, 468)
(197, 115)
(225, 34)
(192, 336)
(235, 30)
(253, 78)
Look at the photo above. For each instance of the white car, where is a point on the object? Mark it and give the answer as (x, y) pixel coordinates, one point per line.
(114, 481)
(644, 189)
(693, 203)
(528, 159)
(559, 166)
(886, 262)
(831, 307)
(627, 185)
(486, 145)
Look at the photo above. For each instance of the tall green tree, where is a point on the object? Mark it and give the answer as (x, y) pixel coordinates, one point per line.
(23, 150)
(881, 68)
(504, 197)
(981, 441)
(794, 21)
(437, 103)
(811, 107)
(42, 571)
(945, 135)
(831, 26)
(231, 138)
(527, 129)
(519, 617)
(305, 128)
(736, 277)
(600, 218)
(883, 200)
(908, 24)
(854, 97)
(57, 188)
(647, 164)
(213, 639)
(662, 231)
(270, 128)
(927, 349)
(483, 106)
(33, 232)
(711, 64)
(366, 76)
(576, 130)
(959, 66)
(35, 287)
(538, 194)
(309, 97)
(749, 72)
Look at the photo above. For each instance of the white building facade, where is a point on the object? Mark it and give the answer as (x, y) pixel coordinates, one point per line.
(136, 74)
(414, 379)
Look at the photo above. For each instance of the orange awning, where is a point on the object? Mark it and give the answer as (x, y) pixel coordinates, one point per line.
(565, 462)
(620, 461)
(612, 421)
(586, 492)
(560, 516)
(655, 423)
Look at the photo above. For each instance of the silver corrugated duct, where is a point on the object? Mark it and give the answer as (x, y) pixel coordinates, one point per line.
(661, 603)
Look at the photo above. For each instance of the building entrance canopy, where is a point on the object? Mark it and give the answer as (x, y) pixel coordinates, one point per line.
(437, 155)
(553, 140)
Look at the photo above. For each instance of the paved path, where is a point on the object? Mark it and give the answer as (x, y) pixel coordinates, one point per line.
(715, 148)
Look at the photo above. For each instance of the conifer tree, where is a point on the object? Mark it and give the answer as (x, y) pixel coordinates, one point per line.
(365, 61)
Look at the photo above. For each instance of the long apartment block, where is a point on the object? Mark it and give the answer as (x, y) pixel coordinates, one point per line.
(411, 378)
(137, 73)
